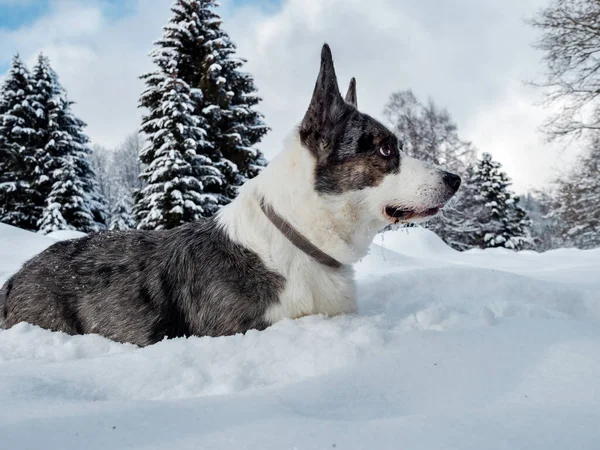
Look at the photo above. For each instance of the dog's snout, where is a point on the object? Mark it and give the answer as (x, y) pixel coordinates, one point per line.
(452, 181)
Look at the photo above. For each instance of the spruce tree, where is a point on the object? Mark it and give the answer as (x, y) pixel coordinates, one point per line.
(183, 183)
(497, 218)
(201, 106)
(63, 172)
(18, 196)
(228, 101)
(66, 207)
(44, 102)
(121, 218)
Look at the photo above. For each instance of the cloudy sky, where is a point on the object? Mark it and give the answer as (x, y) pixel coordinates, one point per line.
(471, 56)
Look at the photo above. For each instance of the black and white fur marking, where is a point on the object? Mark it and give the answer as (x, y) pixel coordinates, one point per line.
(341, 179)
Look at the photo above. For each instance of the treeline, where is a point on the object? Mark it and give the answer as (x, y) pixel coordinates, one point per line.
(485, 212)
(46, 181)
(195, 148)
(198, 137)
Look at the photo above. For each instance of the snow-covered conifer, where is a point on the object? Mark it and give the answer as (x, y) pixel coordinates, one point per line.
(183, 183)
(18, 196)
(120, 217)
(63, 156)
(497, 218)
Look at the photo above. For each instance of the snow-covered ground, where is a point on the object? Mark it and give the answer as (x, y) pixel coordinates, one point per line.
(476, 350)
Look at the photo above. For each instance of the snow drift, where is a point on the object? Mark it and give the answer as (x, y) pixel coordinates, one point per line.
(475, 350)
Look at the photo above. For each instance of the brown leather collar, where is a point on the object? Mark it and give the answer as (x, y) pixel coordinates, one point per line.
(297, 239)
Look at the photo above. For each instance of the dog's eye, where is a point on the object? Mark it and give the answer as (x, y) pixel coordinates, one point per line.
(386, 151)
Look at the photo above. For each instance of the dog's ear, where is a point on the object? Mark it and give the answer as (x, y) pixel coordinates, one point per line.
(351, 94)
(325, 110)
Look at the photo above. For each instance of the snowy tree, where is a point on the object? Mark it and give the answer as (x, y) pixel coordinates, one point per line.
(428, 133)
(120, 216)
(67, 208)
(63, 156)
(227, 104)
(570, 42)
(198, 77)
(546, 229)
(576, 201)
(117, 171)
(18, 196)
(53, 219)
(101, 161)
(182, 184)
(126, 165)
(497, 218)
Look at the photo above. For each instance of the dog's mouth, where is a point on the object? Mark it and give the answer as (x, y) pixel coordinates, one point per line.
(395, 214)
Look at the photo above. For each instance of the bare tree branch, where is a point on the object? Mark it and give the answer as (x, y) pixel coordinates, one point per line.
(570, 41)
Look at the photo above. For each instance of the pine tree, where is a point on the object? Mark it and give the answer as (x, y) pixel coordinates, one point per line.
(183, 182)
(66, 205)
(18, 196)
(546, 230)
(200, 105)
(44, 101)
(121, 218)
(229, 96)
(63, 172)
(182, 185)
(499, 221)
(53, 219)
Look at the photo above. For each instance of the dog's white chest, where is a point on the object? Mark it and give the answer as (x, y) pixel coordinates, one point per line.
(313, 289)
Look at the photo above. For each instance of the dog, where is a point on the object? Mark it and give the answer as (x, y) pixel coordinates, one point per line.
(284, 248)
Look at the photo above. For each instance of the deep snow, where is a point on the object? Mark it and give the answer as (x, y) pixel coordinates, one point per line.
(475, 350)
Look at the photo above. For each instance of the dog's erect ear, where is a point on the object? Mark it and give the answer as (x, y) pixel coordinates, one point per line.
(351, 94)
(326, 107)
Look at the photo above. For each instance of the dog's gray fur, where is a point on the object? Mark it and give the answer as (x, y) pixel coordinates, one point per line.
(140, 287)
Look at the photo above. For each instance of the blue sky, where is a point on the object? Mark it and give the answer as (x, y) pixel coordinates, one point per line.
(15, 14)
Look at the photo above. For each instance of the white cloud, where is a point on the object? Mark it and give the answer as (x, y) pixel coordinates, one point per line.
(469, 56)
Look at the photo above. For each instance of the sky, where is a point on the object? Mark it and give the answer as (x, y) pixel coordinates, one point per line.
(472, 57)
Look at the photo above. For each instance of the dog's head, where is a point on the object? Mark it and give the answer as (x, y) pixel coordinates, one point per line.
(358, 158)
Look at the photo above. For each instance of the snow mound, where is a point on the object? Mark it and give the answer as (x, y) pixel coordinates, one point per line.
(413, 241)
(17, 246)
(449, 350)
(64, 235)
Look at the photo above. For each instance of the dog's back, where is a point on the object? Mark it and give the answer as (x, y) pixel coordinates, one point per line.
(140, 287)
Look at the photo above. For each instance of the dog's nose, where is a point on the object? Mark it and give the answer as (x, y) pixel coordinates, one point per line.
(452, 181)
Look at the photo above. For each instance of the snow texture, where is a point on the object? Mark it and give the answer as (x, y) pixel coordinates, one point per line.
(484, 349)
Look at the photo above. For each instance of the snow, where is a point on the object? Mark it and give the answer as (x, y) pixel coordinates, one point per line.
(485, 349)
(63, 235)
